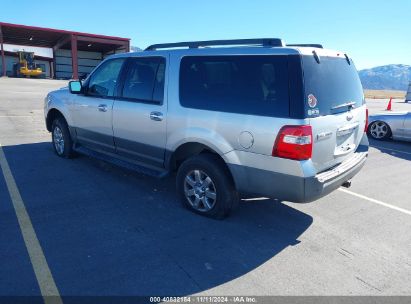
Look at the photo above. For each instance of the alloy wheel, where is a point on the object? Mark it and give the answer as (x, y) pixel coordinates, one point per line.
(200, 190)
(58, 140)
(379, 129)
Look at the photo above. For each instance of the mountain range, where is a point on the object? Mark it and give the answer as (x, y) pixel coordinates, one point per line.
(135, 49)
(387, 77)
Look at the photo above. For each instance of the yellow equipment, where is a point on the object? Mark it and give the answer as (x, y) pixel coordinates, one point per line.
(26, 67)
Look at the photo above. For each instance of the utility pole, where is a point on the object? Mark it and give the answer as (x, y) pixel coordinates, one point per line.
(408, 97)
(3, 60)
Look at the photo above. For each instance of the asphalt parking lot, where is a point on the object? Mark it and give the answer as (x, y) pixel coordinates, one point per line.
(107, 231)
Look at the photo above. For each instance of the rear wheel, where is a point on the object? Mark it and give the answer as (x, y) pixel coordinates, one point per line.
(205, 187)
(62, 142)
(379, 130)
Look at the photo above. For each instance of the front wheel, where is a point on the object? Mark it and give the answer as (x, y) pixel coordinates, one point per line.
(205, 186)
(62, 142)
(379, 130)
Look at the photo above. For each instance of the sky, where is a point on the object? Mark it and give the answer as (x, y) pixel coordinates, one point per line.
(372, 32)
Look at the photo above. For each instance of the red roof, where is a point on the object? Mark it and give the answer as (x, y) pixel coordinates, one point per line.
(48, 37)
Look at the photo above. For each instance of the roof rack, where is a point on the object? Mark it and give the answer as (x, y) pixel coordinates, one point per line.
(267, 42)
(320, 46)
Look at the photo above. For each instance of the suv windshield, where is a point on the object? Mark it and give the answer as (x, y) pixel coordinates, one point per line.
(331, 86)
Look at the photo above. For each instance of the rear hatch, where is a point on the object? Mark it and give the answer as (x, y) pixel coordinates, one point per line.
(335, 106)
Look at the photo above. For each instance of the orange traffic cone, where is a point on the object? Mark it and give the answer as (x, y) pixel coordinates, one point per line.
(389, 105)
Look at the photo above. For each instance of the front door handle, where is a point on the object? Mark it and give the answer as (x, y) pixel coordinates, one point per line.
(102, 108)
(156, 116)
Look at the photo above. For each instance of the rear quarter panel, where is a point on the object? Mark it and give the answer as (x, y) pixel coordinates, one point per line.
(223, 132)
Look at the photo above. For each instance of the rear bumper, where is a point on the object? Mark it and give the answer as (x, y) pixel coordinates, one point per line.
(327, 181)
(293, 188)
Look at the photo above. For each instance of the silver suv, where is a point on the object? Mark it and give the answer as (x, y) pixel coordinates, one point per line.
(233, 118)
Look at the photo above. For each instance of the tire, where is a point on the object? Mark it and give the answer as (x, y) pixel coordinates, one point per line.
(379, 130)
(61, 139)
(208, 181)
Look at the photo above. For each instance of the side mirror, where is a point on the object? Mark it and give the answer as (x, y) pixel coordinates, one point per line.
(75, 87)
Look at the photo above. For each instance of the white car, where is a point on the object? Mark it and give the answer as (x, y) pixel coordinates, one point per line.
(396, 125)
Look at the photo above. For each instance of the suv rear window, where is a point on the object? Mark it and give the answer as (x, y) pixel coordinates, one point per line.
(256, 85)
(333, 82)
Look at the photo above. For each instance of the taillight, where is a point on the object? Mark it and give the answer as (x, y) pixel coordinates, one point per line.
(366, 120)
(294, 142)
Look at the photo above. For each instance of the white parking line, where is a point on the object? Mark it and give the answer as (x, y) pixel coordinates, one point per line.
(14, 116)
(376, 201)
(398, 151)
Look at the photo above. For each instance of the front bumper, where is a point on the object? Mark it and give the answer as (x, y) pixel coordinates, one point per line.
(300, 189)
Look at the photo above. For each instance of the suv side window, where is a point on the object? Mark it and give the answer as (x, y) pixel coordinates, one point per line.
(256, 85)
(103, 81)
(144, 80)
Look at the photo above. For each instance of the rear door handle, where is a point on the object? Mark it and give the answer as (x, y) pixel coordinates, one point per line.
(156, 116)
(102, 108)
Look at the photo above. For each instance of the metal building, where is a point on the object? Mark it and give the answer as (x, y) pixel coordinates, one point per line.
(73, 53)
(408, 97)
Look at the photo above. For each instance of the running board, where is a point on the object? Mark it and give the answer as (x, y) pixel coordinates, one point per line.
(122, 163)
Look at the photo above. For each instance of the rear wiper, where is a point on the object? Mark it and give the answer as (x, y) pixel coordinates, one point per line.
(347, 104)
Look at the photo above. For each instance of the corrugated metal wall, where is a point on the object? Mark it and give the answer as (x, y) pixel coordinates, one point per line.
(408, 97)
(112, 53)
(10, 61)
(87, 61)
